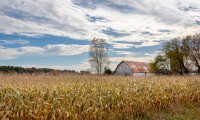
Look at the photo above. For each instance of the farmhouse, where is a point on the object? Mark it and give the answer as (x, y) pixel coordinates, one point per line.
(132, 68)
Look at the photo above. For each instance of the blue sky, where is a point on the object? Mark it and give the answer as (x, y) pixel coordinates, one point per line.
(57, 33)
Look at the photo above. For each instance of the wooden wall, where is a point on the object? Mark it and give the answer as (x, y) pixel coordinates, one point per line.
(123, 69)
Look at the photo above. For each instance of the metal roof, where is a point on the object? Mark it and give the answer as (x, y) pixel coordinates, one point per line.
(139, 67)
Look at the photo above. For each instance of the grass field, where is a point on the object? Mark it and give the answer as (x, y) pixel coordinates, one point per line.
(99, 97)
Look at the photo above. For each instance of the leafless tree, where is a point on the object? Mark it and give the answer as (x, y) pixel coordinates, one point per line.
(192, 46)
(98, 55)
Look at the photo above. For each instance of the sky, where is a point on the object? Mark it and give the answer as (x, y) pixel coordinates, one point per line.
(57, 33)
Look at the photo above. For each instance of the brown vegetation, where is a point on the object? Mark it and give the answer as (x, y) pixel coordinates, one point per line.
(93, 97)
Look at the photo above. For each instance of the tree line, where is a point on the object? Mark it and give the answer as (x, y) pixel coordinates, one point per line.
(12, 69)
(178, 56)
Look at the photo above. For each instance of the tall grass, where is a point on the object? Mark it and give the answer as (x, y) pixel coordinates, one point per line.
(93, 97)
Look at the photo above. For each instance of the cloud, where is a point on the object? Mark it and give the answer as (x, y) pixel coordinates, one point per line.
(129, 45)
(9, 53)
(135, 58)
(122, 45)
(22, 42)
(147, 57)
(49, 50)
(55, 50)
(92, 18)
(147, 43)
(123, 53)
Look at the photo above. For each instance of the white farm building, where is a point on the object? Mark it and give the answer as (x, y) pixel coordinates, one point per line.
(132, 68)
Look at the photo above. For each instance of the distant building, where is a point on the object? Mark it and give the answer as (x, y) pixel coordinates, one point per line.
(132, 68)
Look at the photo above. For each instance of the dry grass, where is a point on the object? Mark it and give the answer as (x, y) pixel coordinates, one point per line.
(93, 97)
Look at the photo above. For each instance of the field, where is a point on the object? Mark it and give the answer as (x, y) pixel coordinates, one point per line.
(99, 97)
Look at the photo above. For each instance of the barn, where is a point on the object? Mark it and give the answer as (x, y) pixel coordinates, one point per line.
(132, 68)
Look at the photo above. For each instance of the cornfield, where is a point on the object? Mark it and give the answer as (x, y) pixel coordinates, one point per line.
(91, 96)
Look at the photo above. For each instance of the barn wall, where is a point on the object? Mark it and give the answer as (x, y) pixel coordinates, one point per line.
(143, 74)
(138, 74)
(123, 69)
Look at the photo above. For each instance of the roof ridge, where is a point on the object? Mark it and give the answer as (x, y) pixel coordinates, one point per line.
(136, 67)
(136, 61)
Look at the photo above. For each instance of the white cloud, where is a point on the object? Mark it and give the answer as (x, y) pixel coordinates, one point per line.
(135, 58)
(147, 57)
(122, 45)
(9, 53)
(55, 50)
(73, 18)
(147, 43)
(124, 53)
(49, 50)
(22, 42)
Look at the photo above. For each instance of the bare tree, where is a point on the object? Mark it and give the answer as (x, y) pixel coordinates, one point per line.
(98, 55)
(192, 47)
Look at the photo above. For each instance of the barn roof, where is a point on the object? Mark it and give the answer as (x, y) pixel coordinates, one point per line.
(138, 66)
